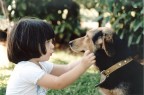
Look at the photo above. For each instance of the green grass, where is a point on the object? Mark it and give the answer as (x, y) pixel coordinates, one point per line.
(85, 85)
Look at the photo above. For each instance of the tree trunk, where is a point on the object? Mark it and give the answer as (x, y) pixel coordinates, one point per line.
(4, 8)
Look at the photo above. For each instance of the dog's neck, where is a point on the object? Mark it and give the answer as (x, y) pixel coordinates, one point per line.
(103, 61)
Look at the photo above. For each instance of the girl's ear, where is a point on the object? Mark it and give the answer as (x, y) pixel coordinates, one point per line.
(108, 44)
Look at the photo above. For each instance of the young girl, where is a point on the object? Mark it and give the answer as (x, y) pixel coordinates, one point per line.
(30, 47)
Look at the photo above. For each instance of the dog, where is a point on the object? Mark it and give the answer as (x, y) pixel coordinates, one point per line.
(110, 49)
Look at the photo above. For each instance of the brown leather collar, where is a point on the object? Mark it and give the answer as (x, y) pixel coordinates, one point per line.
(116, 66)
(107, 72)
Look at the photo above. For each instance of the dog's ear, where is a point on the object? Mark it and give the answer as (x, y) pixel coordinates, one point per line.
(108, 44)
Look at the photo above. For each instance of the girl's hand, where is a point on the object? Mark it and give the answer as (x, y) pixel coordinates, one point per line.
(59, 82)
(88, 58)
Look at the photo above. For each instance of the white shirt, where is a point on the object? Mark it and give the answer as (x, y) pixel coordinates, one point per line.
(23, 80)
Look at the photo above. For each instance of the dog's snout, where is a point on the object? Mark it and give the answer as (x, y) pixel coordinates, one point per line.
(70, 43)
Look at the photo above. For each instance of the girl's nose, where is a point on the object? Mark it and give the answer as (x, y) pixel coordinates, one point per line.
(52, 45)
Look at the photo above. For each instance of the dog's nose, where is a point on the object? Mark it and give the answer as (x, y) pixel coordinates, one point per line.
(70, 43)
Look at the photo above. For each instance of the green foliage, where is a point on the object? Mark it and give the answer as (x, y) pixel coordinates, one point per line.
(126, 17)
(63, 15)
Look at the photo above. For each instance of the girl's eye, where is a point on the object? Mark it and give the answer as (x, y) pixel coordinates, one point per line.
(48, 41)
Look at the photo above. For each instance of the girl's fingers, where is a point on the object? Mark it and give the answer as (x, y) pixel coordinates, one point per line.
(89, 57)
(87, 52)
(94, 61)
(93, 57)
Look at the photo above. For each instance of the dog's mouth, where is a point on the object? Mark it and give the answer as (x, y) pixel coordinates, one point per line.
(75, 50)
(82, 51)
(75, 47)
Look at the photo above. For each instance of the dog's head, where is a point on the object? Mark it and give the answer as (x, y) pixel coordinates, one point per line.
(95, 39)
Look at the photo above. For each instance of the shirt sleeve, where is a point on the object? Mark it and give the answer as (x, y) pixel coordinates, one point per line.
(47, 66)
(32, 74)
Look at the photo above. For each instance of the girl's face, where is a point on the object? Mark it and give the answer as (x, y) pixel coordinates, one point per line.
(50, 49)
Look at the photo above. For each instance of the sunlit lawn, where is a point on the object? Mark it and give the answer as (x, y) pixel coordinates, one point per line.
(85, 85)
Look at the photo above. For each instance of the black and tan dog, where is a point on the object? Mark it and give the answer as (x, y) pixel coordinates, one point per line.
(110, 49)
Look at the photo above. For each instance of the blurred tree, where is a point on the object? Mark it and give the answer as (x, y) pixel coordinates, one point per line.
(3, 7)
(63, 15)
(126, 17)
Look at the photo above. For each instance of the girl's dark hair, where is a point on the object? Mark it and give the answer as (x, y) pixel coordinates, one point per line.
(27, 39)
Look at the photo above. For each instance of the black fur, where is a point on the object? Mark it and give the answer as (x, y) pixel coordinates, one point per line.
(3, 35)
(95, 37)
(130, 75)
